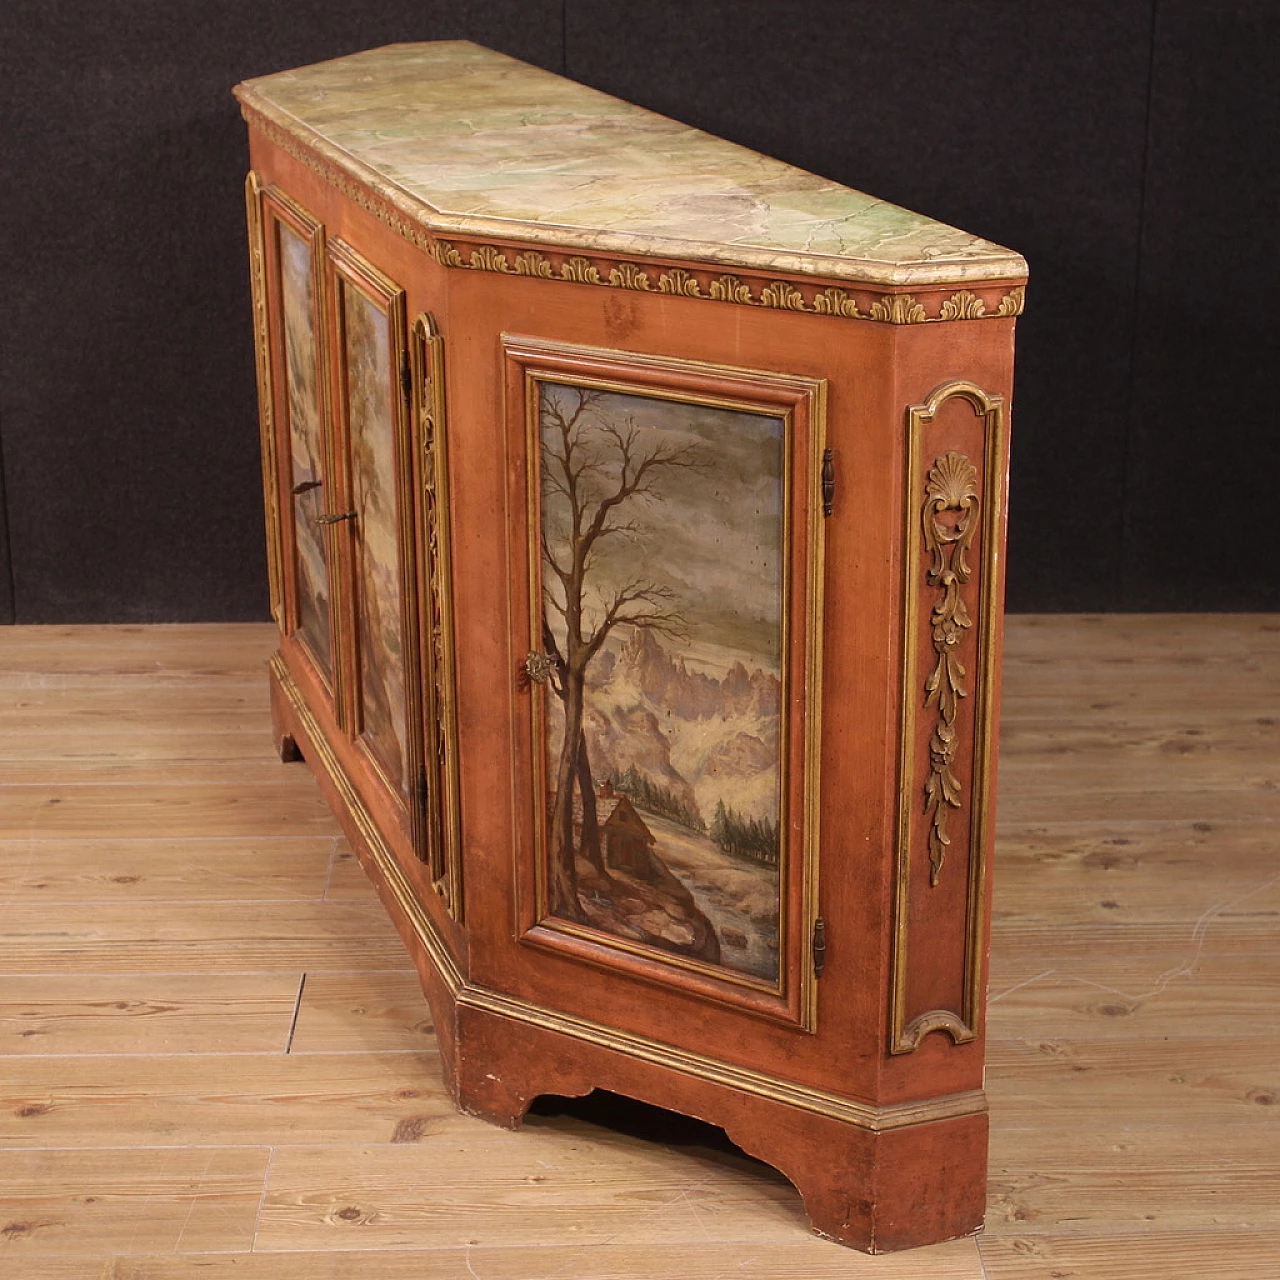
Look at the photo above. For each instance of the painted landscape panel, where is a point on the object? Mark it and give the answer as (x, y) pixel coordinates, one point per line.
(662, 607)
(306, 443)
(371, 426)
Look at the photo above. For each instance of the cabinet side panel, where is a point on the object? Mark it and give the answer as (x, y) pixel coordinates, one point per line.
(953, 477)
(363, 240)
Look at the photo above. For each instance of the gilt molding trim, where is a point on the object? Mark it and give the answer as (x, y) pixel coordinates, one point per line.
(266, 394)
(950, 500)
(863, 1115)
(744, 288)
(391, 878)
(441, 798)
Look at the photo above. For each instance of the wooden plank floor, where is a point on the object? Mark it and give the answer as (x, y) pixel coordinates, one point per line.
(215, 1061)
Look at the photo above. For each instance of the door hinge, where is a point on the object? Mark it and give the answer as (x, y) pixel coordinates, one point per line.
(819, 946)
(828, 481)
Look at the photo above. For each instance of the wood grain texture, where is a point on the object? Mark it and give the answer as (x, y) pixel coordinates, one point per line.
(1154, 1176)
(801, 1259)
(346, 876)
(1132, 1074)
(182, 651)
(203, 937)
(1198, 1079)
(141, 870)
(213, 1099)
(540, 1188)
(151, 1013)
(1148, 1255)
(362, 1012)
(291, 807)
(103, 1202)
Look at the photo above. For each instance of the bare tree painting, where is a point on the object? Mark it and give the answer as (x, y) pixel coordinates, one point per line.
(614, 468)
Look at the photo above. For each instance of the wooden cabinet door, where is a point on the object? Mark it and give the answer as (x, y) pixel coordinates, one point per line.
(293, 255)
(375, 532)
(672, 515)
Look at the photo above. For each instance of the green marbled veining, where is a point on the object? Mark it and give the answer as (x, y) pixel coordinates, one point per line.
(483, 144)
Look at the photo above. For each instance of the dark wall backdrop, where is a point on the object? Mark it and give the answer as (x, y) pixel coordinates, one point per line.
(1123, 146)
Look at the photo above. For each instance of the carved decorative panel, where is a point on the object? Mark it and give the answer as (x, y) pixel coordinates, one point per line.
(953, 500)
(441, 838)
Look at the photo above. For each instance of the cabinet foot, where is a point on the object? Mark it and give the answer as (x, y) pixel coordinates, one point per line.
(282, 729)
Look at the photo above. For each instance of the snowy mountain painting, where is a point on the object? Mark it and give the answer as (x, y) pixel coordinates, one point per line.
(662, 591)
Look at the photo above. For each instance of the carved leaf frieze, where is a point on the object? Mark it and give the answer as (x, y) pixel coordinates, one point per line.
(447, 255)
(580, 271)
(1012, 302)
(679, 281)
(730, 289)
(784, 296)
(488, 258)
(898, 308)
(835, 302)
(963, 306)
(531, 263)
(626, 275)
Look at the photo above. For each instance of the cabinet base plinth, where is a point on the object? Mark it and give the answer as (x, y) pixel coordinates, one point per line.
(875, 1191)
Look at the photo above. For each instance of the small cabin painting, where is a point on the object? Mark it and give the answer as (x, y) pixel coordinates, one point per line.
(625, 841)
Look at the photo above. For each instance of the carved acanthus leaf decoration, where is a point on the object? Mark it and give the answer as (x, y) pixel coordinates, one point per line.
(898, 308)
(780, 294)
(1012, 302)
(835, 302)
(963, 306)
(730, 289)
(626, 275)
(949, 521)
(580, 271)
(679, 281)
(447, 255)
(531, 263)
(489, 258)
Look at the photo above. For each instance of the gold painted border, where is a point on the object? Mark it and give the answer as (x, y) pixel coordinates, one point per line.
(527, 351)
(862, 1115)
(961, 1025)
(266, 394)
(351, 270)
(748, 288)
(441, 800)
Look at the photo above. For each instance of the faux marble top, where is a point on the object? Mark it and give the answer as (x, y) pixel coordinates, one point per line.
(472, 142)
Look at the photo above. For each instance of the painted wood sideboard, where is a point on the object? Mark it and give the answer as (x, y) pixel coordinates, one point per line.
(635, 514)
